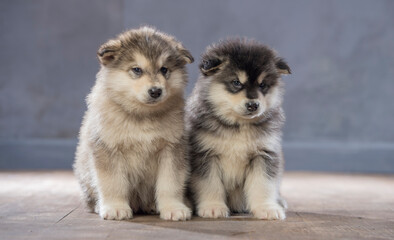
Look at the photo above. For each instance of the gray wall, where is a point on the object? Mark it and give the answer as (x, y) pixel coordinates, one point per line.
(338, 101)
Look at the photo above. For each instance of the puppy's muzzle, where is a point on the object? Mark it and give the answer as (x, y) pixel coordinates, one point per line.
(252, 106)
(155, 92)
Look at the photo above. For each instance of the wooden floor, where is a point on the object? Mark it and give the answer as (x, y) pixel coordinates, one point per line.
(46, 205)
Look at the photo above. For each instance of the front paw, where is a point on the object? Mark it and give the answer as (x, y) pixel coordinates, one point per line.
(269, 212)
(178, 212)
(115, 212)
(213, 211)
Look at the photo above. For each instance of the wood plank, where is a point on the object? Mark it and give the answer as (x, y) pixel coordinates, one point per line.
(46, 205)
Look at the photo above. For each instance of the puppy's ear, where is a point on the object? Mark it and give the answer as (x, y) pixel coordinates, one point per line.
(187, 56)
(282, 67)
(210, 66)
(109, 51)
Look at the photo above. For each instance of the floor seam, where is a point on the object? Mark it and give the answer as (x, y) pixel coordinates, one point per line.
(67, 214)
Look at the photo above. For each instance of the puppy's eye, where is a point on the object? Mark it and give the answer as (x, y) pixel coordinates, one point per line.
(236, 83)
(137, 70)
(164, 70)
(263, 86)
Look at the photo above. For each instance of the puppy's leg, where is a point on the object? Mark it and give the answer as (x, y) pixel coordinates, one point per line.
(210, 195)
(170, 184)
(112, 185)
(262, 191)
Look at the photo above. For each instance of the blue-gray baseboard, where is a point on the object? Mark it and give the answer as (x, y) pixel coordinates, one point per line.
(35, 154)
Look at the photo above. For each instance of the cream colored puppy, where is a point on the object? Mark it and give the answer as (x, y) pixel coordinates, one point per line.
(130, 156)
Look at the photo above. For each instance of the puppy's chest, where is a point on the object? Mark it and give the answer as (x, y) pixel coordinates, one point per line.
(144, 136)
(230, 144)
(141, 164)
(234, 151)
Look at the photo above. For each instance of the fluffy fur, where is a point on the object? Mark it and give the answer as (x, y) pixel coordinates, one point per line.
(234, 119)
(130, 156)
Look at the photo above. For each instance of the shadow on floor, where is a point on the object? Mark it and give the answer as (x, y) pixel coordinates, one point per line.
(304, 223)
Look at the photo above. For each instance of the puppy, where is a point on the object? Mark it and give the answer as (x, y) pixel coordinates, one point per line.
(130, 156)
(234, 119)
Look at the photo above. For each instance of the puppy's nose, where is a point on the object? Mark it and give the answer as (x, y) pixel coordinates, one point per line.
(155, 92)
(252, 106)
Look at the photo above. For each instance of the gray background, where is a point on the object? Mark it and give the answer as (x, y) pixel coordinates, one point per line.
(339, 100)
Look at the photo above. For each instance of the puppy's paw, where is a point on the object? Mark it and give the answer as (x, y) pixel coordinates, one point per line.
(213, 211)
(116, 212)
(175, 212)
(269, 212)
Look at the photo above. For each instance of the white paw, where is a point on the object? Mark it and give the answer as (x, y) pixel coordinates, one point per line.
(177, 212)
(269, 212)
(213, 211)
(116, 212)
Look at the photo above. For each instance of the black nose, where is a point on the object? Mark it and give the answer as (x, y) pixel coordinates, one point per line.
(155, 92)
(252, 106)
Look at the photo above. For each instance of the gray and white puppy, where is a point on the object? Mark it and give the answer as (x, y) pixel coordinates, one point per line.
(130, 156)
(234, 119)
